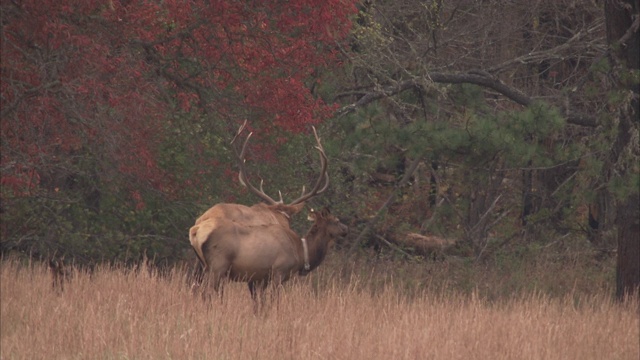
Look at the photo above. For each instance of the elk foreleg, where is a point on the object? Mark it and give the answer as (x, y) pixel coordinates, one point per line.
(258, 293)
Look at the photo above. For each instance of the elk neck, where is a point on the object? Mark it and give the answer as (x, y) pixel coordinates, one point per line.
(317, 244)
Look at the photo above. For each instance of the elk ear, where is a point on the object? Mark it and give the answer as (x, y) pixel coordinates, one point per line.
(290, 210)
(325, 212)
(313, 215)
(297, 208)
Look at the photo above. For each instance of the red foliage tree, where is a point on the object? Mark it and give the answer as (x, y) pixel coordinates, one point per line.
(100, 77)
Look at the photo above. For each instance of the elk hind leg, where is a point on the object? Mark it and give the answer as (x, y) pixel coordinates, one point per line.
(196, 277)
(204, 281)
(215, 276)
(219, 277)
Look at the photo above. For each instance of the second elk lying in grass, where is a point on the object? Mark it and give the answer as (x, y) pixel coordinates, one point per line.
(427, 244)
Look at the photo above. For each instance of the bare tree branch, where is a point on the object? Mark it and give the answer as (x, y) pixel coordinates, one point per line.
(390, 200)
(480, 78)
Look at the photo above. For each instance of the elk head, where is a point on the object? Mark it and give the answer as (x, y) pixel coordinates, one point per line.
(321, 236)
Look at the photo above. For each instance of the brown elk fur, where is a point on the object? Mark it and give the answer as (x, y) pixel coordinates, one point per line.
(261, 254)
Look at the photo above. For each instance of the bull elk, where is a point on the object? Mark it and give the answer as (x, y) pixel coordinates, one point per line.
(256, 244)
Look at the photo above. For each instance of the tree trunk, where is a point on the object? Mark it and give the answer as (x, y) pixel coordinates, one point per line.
(628, 264)
(624, 44)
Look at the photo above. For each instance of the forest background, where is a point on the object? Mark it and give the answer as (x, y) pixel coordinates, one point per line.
(464, 138)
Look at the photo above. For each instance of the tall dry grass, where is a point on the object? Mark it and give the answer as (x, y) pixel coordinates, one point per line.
(115, 314)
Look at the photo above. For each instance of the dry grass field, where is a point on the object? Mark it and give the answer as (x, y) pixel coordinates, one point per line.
(115, 314)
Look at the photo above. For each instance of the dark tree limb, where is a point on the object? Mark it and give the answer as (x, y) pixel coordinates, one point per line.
(480, 78)
(390, 200)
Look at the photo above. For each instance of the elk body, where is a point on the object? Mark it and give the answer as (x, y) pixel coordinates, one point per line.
(255, 243)
(263, 254)
(427, 244)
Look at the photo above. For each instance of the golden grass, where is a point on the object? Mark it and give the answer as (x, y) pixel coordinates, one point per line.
(116, 314)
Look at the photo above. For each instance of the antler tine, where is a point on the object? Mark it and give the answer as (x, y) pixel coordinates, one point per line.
(240, 130)
(318, 188)
(242, 174)
(315, 134)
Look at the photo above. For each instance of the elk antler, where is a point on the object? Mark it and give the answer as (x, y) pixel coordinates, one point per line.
(242, 175)
(320, 186)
